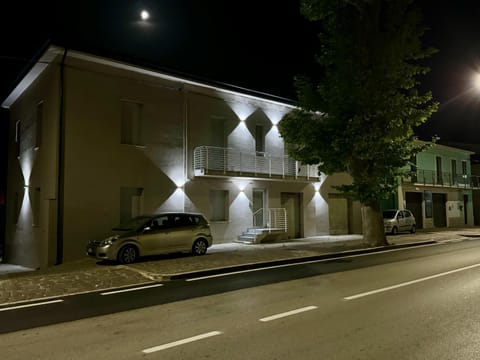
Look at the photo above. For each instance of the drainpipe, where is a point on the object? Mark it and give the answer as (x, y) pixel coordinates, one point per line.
(61, 162)
(185, 143)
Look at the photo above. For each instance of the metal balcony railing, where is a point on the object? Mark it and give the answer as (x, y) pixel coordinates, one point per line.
(211, 160)
(445, 179)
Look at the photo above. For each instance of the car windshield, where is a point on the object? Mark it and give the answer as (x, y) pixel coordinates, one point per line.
(389, 214)
(134, 224)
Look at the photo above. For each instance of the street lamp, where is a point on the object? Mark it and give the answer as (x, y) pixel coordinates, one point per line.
(476, 81)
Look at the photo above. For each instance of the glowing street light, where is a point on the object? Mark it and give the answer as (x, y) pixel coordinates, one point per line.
(476, 81)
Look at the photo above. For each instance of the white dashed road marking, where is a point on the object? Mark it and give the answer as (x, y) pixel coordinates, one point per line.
(181, 342)
(288, 313)
(372, 292)
(131, 289)
(31, 305)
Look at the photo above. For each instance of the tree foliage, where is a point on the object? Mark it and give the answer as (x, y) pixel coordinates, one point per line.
(359, 115)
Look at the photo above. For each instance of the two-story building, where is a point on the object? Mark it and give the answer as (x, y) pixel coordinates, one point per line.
(438, 188)
(96, 141)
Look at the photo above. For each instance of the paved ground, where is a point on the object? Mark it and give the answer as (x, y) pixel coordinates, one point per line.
(17, 285)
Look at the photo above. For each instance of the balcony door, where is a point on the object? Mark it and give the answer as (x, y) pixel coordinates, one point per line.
(259, 139)
(438, 160)
(217, 132)
(259, 208)
(454, 172)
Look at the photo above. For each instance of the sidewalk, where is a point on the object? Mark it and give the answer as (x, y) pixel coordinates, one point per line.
(89, 274)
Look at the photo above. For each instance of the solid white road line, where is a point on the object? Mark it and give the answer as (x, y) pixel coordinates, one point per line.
(131, 289)
(357, 296)
(288, 313)
(181, 342)
(31, 305)
(300, 262)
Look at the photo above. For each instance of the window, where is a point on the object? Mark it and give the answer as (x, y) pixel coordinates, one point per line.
(17, 206)
(413, 169)
(219, 205)
(464, 167)
(38, 125)
(439, 170)
(18, 136)
(132, 119)
(427, 195)
(131, 203)
(454, 171)
(259, 139)
(36, 207)
(161, 222)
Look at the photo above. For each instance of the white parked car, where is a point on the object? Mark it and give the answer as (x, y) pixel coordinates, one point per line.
(399, 220)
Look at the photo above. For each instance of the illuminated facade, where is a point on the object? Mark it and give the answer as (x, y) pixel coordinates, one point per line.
(96, 141)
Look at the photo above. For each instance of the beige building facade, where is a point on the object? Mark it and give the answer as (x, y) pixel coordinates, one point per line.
(96, 141)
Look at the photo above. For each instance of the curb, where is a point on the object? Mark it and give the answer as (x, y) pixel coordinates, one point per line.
(290, 261)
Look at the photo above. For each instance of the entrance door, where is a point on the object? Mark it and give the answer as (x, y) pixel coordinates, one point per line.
(259, 208)
(414, 204)
(439, 210)
(465, 207)
(338, 214)
(292, 202)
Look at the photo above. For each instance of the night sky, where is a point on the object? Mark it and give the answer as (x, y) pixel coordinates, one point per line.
(259, 45)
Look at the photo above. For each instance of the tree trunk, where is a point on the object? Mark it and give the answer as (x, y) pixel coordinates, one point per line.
(372, 225)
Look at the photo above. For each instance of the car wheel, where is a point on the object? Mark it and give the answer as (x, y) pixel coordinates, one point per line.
(127, 254)
(413, 229)
(394, 230)
(199, 247)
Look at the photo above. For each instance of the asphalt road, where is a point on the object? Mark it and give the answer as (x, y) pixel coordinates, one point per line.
(419, 303)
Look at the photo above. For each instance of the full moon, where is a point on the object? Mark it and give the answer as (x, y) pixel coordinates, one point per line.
(144, 15)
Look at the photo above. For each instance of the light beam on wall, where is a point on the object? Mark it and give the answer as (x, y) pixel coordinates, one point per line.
(275, 114)
(26, 164)
(242, 110)
(175, 202)
(241, 184)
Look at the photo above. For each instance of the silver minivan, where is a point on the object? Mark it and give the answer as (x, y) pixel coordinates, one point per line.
(399, 220)
(153, 235)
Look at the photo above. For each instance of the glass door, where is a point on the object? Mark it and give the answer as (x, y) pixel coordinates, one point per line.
(259, 208)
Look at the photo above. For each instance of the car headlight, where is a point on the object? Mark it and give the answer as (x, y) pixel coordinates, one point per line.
(109, 240)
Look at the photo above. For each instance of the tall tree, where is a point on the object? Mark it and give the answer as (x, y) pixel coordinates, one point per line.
(358, 116)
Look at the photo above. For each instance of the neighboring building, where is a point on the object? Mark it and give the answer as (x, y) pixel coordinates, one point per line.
(438, 188)
(96, 141)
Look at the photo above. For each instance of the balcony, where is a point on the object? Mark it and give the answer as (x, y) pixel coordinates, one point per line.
(441, 179)
(217, 161)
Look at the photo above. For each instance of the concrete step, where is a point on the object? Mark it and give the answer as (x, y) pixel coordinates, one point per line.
(256, 235)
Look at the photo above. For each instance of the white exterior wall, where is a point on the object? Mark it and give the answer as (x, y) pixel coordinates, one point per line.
(239, 116)
(29, 243)
(177, 117)
(98, 165)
